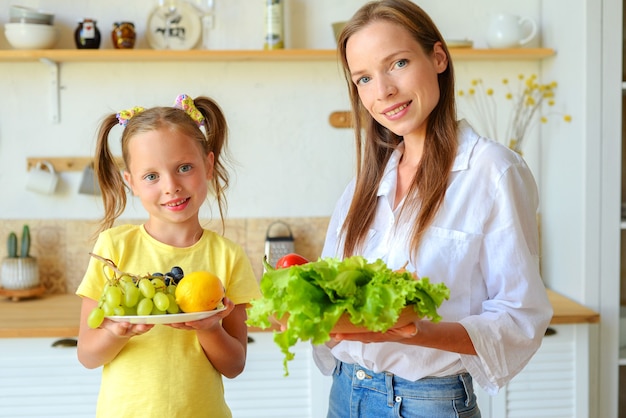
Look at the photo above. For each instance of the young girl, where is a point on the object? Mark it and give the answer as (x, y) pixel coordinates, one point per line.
(459, 208)
(172, 157)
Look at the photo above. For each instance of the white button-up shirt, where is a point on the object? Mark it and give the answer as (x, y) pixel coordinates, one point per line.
(483, 244)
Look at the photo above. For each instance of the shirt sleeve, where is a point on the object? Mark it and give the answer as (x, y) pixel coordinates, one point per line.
(242, 286)
(514, 317)
(94, 279)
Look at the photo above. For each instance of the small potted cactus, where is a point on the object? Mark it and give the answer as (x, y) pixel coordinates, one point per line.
(19, 271)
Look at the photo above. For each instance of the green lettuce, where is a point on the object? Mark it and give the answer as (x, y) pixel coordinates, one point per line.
(315, 295)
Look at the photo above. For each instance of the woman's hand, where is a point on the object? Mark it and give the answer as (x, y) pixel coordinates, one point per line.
(399, 334)
(209, 323)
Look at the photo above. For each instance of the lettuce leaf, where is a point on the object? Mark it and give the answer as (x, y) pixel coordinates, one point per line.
(316, 294)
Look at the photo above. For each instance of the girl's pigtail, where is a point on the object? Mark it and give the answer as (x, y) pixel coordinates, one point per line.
(217, 139)
(109, 176)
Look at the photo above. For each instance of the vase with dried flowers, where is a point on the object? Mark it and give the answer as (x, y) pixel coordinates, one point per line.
(528, 100)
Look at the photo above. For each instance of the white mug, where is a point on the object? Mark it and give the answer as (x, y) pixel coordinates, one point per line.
(510, 31)
(42, 178)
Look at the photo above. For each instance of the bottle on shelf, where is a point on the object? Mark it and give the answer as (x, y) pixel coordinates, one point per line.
(274, 25)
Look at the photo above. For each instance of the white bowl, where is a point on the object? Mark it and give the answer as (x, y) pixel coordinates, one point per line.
(30, 35)
(21, 14)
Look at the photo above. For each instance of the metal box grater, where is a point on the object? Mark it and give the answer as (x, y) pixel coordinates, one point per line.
(277, 246)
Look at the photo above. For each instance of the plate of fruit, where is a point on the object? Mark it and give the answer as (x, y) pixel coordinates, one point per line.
(157, 298)
(167, 318)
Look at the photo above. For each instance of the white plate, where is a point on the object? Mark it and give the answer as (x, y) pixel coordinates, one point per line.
(185, 31)
(165, 319)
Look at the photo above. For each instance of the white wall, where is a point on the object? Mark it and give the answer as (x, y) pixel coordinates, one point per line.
(291, 162)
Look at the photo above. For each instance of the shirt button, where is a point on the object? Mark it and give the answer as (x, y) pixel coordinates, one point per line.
(360, 374)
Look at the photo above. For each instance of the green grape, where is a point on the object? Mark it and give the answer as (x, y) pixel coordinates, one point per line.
(131, 296)
(130, 310)
(147, 288)
(161, 301)
(95, 318)
(158, 283)
(171, 289)
(156, 311)
(126, 279)
(145, 306)
(113, 295)
(173, 308)
(119, 310)
(108, 309)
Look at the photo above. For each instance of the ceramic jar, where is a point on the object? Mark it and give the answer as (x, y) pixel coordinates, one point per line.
(123, 35)
(87, 35)
(19, 273)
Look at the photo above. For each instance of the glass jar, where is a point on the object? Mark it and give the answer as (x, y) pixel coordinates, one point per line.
(87, 35)
(123, 35)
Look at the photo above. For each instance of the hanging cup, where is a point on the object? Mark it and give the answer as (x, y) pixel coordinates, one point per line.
(42, 178)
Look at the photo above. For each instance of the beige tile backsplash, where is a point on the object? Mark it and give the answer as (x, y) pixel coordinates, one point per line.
(62, 246)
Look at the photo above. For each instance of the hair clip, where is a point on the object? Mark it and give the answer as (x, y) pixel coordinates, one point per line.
(124, 116)
(184, 102)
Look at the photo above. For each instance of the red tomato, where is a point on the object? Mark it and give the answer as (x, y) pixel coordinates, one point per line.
(290, 260)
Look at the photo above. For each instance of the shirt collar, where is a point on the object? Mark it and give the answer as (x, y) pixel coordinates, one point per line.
(467, 138)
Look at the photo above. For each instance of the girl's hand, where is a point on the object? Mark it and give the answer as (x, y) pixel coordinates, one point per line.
(125, 329)
(207, 323)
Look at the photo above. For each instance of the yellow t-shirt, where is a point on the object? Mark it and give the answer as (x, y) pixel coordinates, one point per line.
(164, 372)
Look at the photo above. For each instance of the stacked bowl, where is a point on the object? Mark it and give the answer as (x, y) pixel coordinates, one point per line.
(30, 28)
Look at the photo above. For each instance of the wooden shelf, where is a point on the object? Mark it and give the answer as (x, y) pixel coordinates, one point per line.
(66, 163)
(151, 55)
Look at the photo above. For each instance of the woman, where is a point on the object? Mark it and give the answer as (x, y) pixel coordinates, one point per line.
(457, 207)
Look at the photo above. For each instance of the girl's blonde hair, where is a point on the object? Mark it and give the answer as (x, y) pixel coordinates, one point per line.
(109, 174)
(375, 143)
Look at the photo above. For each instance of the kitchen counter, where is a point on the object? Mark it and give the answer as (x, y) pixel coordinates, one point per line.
(58, 315)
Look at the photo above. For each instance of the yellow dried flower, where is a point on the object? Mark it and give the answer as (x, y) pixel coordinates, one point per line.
(527, 104)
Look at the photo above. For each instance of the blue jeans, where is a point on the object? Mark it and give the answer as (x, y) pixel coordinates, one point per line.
(357, 392)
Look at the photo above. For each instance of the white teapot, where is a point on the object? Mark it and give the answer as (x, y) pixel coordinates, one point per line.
(510, 31)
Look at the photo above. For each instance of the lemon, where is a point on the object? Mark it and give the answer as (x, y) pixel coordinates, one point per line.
(199, 291)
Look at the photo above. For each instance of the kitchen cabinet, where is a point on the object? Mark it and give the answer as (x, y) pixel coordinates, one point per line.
(41, 380)
(31, 369)
(555, 383)
(262, 390)
(28, 328)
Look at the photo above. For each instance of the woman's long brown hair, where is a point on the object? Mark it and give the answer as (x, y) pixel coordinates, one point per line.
(375, 143)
